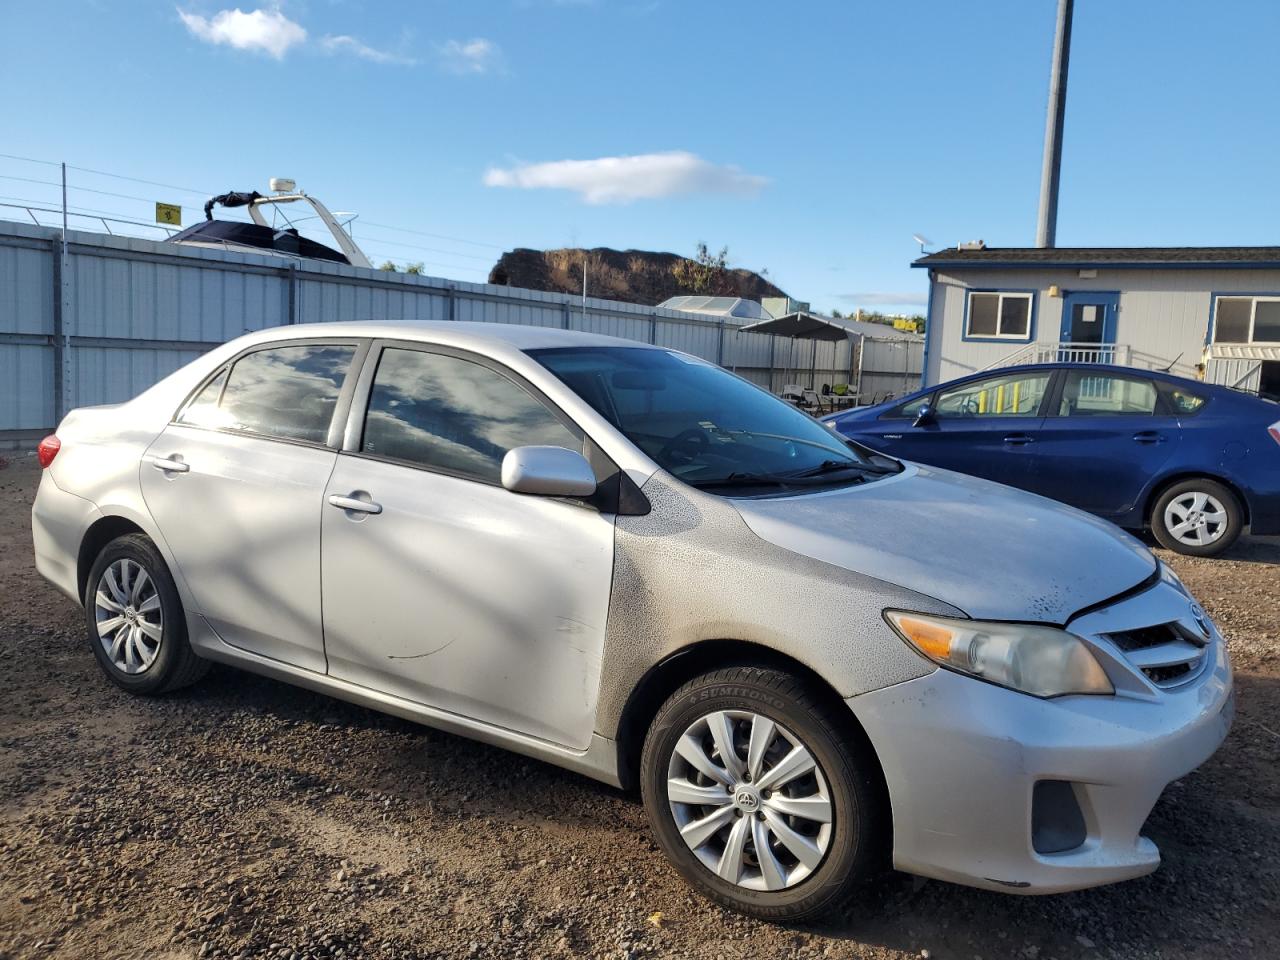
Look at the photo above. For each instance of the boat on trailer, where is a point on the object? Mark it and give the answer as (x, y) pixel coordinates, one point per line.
(259, 236)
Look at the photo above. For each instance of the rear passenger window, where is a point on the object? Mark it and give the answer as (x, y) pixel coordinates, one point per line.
(454, 415)
(287, 393)
(1087, 394)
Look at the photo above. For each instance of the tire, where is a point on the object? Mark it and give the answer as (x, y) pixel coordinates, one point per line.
(851, 848)
(1213, 510)
(146, 650)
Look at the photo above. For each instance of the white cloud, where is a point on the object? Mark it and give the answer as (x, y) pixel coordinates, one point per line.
(266, 31)
(470, 56)
(623, 179)
(885, 299)
(347, 44)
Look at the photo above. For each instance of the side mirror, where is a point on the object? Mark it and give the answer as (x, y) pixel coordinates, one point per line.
(924, 416)
(548, 472)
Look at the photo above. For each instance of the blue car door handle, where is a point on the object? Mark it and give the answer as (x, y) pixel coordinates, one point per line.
(1148, 436)
(1018, 439)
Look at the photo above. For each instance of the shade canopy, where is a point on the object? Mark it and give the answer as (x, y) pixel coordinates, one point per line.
(811, 326)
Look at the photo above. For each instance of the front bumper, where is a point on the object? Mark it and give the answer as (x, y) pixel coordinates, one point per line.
(962, 759)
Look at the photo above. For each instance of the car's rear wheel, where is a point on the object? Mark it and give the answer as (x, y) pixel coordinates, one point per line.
(1198, 517)
(136, 625)
(766, 799)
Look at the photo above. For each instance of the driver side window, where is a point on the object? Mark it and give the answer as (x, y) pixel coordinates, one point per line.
(1007, 395)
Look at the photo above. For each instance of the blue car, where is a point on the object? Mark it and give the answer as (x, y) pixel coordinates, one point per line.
(1194, 462)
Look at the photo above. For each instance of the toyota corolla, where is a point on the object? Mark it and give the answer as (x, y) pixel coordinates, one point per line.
(812, 659)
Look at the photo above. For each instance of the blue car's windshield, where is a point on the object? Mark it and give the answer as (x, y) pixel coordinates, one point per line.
(707, 426)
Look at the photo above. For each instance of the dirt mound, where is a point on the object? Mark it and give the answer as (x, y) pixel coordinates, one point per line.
(636, 276)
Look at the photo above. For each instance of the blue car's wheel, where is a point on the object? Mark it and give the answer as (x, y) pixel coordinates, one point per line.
(1198, 517)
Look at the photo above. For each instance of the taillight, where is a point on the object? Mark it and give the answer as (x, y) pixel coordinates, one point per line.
(1274, 430)
(48, 449)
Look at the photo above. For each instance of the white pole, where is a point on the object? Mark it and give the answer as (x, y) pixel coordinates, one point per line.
(64, 401)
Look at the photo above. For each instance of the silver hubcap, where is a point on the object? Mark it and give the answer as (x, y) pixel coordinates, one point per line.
(1195, 519)
(750, 800)
(127, 611)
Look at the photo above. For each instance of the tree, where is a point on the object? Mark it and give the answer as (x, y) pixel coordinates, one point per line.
(705, 273)
(413, 269)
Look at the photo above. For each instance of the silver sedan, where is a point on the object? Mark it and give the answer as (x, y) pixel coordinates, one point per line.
(813, 661)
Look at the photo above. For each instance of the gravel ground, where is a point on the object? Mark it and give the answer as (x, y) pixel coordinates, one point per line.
(245, 818)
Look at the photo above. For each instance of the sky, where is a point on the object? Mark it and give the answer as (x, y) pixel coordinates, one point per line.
(813, 139)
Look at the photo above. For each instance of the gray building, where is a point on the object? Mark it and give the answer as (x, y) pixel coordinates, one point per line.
(1212, 312)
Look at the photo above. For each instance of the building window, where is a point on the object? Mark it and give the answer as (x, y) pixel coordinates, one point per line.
(1247, 320)
(999, 316)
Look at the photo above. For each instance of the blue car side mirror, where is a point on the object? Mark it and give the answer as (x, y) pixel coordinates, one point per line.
(924, 416)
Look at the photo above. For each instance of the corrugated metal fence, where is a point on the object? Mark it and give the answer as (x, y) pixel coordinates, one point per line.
(113, 315)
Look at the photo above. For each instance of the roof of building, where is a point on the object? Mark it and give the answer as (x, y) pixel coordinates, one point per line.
(718, 306)
(1223, 257)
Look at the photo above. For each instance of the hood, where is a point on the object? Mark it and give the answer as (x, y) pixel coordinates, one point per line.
(992, 551)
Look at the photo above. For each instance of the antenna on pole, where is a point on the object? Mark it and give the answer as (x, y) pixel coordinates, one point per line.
(1047, 221)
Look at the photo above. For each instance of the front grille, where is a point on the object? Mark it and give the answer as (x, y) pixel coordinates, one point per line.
(1167, 655)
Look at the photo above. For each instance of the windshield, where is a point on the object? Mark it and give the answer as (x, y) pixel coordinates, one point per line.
(707, 426)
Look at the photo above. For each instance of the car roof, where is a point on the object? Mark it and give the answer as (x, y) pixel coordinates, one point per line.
(1090, 367)
(456, 333)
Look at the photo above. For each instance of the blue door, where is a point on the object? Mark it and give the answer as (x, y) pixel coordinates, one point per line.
(986, 427)
(1089, 326)
(1105, 438)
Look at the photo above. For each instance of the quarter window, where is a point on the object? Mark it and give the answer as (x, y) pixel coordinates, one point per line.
(287, 393)
(1246, 320)
(1011, 395)
(1184, 401)
(999, 315)
(1092, 395)
(454, 415)
(909, 410)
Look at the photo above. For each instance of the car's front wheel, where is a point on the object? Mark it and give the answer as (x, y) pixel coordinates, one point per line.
(136, 625)
(1198, 517)
(765, 798)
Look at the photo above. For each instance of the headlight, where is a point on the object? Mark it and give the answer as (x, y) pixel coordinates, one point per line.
(1042, 661)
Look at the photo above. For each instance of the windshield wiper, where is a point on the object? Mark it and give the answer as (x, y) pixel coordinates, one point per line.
(838, 466)
(742, 480)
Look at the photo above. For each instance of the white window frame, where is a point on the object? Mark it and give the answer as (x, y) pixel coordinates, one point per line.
(1001, 295)
(1253, 314)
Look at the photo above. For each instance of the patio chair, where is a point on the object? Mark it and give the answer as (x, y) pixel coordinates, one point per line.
(793, 393)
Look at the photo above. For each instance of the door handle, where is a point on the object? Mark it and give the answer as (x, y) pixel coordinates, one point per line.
(1019, 439)
(170, 464)
(352, 503)
(1148, 436)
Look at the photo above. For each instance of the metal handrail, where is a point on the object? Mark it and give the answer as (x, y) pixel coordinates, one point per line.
(105, 221)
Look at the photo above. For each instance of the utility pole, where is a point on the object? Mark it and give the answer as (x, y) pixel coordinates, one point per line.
(1047, 222)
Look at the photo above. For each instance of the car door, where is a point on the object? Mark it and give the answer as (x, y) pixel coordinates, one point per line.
(236, 484)
(984, 427)
(440, 585)
(1107, 436)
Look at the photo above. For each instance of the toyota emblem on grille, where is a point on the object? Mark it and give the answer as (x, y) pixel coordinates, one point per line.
(1202, 621)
